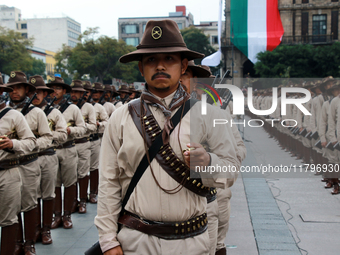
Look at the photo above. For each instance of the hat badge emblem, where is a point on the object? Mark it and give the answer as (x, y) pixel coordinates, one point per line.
(53, 78)
(84, 83)
(156, 32)
(13, 74)
(33, 80)
(93, 85)
(103, 87)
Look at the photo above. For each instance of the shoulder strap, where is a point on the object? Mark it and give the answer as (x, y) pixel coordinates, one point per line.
(153, 150)
(29, 109)
(3, 113)
(64, 107)
(49, 111)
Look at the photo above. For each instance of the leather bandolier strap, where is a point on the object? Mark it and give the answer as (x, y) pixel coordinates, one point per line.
(166, 157)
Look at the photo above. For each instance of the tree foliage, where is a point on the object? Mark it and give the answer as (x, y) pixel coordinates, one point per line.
(197, 41)
(38, 68)
(13, 52)
(97, 57)
(300, 61)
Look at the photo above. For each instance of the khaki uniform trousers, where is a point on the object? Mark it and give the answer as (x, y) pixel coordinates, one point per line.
(95, 149)
(223, 201)
(30, 175)
(332, 157)
(306, 142)
(316, 148)
(49, 169)
(10, 196)
(84, 158)
(212, 214)
(67, 172)
(134, 242)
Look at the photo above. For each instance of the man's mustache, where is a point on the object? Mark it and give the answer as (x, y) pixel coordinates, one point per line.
(160, 74)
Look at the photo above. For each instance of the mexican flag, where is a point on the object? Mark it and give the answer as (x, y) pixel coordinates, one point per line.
(255, 26)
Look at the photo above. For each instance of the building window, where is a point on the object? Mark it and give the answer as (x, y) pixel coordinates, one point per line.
(24, 35)
(72, 34)
(319, 28)
(24, 26)
(179, 25)
(214, 39)
(73, 26)
(134, 41)
(130, 29)
(144, 27)
(305, 1)
(335, 0)
(72, 44)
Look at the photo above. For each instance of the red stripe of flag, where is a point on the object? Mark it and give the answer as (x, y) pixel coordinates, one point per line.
(274, 25)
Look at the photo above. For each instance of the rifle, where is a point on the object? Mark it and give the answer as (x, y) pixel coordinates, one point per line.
(318, 145)
(102, 97)
(46, 111)
(303, 132)
(27, 104)
(90, 97)
(80, 100)
(330, 146)
(337, 146)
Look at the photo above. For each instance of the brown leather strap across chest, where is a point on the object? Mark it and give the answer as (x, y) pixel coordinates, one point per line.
(166, 157)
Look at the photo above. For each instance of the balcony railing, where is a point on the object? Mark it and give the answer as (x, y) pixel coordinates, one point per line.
(308, 39)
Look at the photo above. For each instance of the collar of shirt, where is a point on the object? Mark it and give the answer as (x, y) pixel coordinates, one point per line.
(166, 100)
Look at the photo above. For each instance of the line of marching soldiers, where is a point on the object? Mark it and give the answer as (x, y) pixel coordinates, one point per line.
(50, 137)
(314, 138)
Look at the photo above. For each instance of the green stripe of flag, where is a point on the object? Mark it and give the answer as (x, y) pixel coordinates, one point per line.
(239, 24)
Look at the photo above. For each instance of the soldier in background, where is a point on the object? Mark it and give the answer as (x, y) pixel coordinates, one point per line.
(133, 91)
(83, 144)
(108, 105)
(101, 118)
(30, 172)
(114, 100)
(67, 153)
(48, 159)
(124, 94)
(16, 139)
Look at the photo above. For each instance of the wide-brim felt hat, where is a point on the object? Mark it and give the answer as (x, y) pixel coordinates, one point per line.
(77, 85)
(326, 80)
(87, 85)
(55, 80)
(132, 89)
(124, 88)
(17, 78)
(97, 86)
(114, 91)
(198, 70)
(161, 36)
(3, 86)
(38, 82)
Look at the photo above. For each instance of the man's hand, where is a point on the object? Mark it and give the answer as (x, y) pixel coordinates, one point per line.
(5, 143)
(196, 157)
(98, 124)
(324, 144)
(115, 251)
(68, 130)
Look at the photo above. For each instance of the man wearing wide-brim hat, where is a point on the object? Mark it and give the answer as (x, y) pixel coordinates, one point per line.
(174, 217)
(124, 94)
(48, 159)
(83, 144)
(110, 93)
(101, 118)
(15, 137)
(30, 172)
(66, 153)
(133, 91)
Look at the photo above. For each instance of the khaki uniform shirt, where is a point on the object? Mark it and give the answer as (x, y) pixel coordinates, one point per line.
(122, 150)
(101, 117)
(73, 114)
(333, 119)
(37, 122)
(14, 120)
(322, 122)
(316, 109)
(89, 115)
(59, 131)
(109, 107)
